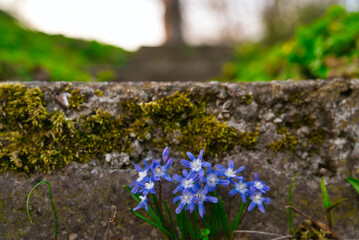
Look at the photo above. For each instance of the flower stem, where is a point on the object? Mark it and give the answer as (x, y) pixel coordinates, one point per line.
(160, 193)
(229, 207)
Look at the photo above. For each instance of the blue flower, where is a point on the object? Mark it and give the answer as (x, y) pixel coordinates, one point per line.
(142, 176)
(240, 187)
(212, 179)
(143, 203)
(187, 198)
(229, 172)
(187, 182)
(148, 186)
(258, 200)
(201, 197)
(159, 171)
(165, 154)
(257, 185)
(195, 164)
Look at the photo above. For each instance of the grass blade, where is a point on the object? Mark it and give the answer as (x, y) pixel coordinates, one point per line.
(181, 227)
(290, 216)
(237, 220)
(158, 210)
(196, 232)
(354, 182)
(336, 204)
(52, 204)
(224, 220)
(187, 224)
(150, 211)
(170, 217)
(153, 224)
(326, 201)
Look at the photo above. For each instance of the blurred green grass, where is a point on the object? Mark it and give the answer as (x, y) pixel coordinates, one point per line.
(326, 48)
(24, 54)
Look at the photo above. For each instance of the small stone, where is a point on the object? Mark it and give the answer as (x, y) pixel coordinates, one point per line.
(278, 120)
(73, 236)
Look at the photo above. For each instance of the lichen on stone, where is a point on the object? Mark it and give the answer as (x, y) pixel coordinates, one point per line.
(287, 142)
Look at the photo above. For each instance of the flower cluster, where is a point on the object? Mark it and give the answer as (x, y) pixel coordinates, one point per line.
(144, 184)
(196, 184)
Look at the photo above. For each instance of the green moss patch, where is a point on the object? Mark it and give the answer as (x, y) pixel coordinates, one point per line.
(32, 138)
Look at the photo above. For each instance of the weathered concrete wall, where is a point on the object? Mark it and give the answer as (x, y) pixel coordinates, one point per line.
(310, 127)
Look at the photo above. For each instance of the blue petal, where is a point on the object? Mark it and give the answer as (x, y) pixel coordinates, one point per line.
(266, 188)
(240, 169)
(167, 177)
(180, 207)
(201, 209)
(177, 198)
(220, 167)
(230, 164)
(168, 164)
(203, 179)
(146, 207)
(184, 172)
(165, 154)
(251, 206)
(233, 192)
(190, 207)
(200, 172)
(211, 199)
(177, 178)
(266, 200)
(138, 168)
(206, 164)
(191, 156)
(179, 187)
(256, 176)
(186, 163)
(244, 197)
(146, 164)
(261, 208)
(200, 156)
(134, 190)
(222, 181)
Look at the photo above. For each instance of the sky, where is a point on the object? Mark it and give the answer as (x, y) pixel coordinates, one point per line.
(133, 23)
(125, 23)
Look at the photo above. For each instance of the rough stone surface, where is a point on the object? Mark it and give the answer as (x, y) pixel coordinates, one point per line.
(322, 115)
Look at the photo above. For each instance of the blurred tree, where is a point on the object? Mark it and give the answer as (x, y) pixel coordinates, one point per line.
(173, 22)
(281, 17)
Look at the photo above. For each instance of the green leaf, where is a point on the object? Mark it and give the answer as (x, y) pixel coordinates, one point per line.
(150, 211)
(204, 233)
(52, 204)
(170, 217)
(354, 182)
(153, 224)
(224, 220)
(187, 223)
(180, 226)
(158, 210)
(326, 200)
(290, 216)
(239, 215)
(336, 204)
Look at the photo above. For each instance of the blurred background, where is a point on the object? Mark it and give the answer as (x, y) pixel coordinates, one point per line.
(178, 40)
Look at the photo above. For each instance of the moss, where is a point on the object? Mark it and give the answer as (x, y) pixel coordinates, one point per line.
(247, 99)
(76, 98)
(316, 137)
(98, 93)
(287, 142)
(32, 138)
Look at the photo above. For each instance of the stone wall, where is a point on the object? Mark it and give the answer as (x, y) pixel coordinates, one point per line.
(281, 128)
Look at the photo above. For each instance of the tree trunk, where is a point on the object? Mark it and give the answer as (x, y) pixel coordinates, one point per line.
(173, 22)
